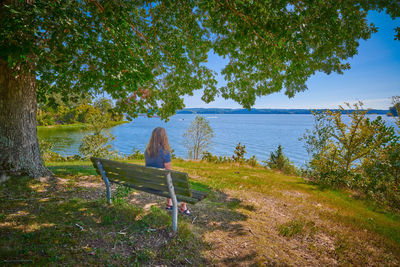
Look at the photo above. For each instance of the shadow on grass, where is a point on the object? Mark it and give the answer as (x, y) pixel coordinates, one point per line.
(77, 169)
(53, 221)
(45, 223)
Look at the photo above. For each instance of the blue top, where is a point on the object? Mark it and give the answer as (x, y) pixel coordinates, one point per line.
(159, 160)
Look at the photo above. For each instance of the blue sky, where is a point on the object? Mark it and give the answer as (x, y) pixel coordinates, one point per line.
(374, 77)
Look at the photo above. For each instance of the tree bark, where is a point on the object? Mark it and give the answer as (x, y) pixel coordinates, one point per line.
(19, 146)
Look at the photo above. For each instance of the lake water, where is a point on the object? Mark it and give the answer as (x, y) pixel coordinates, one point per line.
(261, 133)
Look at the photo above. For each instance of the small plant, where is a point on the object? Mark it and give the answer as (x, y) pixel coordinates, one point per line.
(207, 156)
(297, 227)
(173, 156)
(120, 194)
(136, 154)
(278, 161)
(291, 228)
(239, 153)
(98, 143)
(252, 161)
(47, 153)
(143, 255)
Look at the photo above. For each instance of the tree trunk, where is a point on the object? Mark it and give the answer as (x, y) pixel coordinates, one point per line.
(19, 146)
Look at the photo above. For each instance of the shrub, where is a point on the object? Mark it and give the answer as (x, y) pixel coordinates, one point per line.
(86, 113)
(45, 119)
(47, 153)
(380, 179)
(239, 153)
(362, 155)
(136, 154)
(291, 228)
(98, 143)
(278, 161)
(252, 161)
(207, 156)
(338, 147)
(173, 156)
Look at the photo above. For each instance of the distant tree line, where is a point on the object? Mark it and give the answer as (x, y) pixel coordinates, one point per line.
(268, 111)
(82, 111)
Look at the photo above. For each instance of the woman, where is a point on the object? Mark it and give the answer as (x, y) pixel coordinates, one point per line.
(158, 155)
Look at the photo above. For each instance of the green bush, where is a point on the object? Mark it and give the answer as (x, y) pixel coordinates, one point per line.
(380, 179)
(47, 153)
(362, 155)
(97, 145)
(136, 154)
(45, 119)
(239, 153)
(207, 156)
(82, 112)
(252, 161)
(278, 161)
(85, 113)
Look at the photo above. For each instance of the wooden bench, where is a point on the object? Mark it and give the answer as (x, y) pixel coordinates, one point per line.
(161, 182)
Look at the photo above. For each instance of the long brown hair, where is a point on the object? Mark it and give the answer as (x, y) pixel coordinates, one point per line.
(158, 139)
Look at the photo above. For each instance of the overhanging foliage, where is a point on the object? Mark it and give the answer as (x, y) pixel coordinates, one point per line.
(149, 54)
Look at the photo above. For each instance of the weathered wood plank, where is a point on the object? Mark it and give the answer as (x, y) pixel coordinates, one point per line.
(175, 175)
(137, 174)
(186, 199)
(114, 177)
(147, 179)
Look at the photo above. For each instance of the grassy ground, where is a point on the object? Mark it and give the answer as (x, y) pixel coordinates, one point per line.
(251, 216)
(77, 126)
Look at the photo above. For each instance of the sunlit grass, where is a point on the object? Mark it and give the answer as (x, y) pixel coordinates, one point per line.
(67, 221)
(70, 228)
(350, 211)
(77, 126)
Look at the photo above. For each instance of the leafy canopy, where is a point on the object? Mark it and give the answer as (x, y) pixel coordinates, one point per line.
(148, 54)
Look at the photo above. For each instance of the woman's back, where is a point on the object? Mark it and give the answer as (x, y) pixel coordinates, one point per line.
(163, 156)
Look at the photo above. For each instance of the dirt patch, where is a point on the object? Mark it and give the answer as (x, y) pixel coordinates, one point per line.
(237, 227)
(255, 238)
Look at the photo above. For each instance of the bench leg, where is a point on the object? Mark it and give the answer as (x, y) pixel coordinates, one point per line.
(174, 203)
(108, 191)
(105, 179)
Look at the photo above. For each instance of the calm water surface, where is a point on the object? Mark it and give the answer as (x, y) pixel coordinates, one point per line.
(261, 133)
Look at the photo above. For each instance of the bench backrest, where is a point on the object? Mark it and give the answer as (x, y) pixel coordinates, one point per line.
(145, 178)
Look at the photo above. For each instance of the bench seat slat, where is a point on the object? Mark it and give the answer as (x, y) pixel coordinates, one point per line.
(146, 183)
(134, 175)
(187, 199)
(176, 175)
(150, 180)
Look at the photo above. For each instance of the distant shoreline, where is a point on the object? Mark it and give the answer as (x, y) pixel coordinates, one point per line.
(266, 111)
(77, 126)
